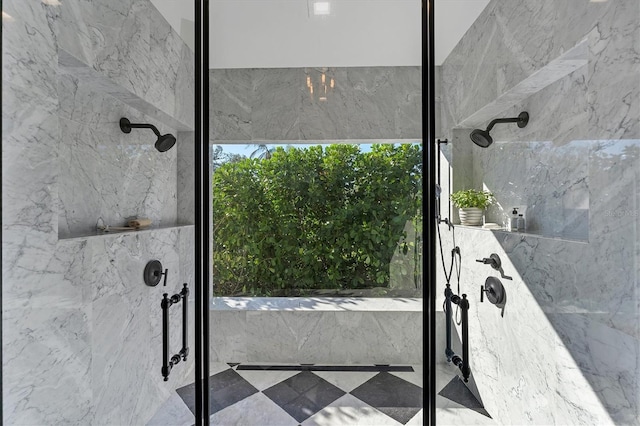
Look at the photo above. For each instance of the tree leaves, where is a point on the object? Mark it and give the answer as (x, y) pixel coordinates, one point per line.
(313, 217)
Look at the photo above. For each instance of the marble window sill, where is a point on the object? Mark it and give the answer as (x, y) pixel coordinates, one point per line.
(366, 304)
(101, 234)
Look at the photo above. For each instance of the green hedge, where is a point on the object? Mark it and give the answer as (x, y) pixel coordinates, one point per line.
(313, 218)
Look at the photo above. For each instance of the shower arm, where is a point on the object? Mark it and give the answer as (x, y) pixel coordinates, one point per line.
(145, 126)
(502, 120)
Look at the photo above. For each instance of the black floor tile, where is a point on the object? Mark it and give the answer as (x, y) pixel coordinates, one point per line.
(225, 389)
(392, 395)
(303, 395)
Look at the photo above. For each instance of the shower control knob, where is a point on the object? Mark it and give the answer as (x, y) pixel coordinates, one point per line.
(493, 260)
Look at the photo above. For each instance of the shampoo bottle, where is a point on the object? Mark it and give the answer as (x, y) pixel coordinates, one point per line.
(513, 222)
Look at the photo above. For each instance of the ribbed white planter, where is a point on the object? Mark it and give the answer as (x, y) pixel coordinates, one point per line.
(471, 216)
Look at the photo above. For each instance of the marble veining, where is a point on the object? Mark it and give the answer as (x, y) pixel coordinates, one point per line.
(573, 308)
(322, 330)
(276, 104)
(105, 173)
(81, 331)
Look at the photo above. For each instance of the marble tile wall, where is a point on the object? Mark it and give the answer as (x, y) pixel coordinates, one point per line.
(333, 331)
(131, 44)
(574, 300)
(81, 332)
(275, 104)
(105, 173)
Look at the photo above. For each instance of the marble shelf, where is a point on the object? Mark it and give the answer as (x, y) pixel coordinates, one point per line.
(101, 234)
(523, 234)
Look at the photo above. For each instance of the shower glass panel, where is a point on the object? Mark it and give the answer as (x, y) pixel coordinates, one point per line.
(551, 299)
(317, 222)
(86, 207)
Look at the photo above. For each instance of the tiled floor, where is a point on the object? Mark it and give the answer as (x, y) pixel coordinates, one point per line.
(306, 395)
(312, 396)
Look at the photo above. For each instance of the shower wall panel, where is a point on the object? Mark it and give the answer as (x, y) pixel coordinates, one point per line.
(104, 173)
(276, 104)
(568, 347)
(82, 339)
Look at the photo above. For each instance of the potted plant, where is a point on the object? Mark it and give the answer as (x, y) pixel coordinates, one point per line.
(471, 204)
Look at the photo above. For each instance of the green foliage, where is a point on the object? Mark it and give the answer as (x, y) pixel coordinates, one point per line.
(471, 198)
(313, 218)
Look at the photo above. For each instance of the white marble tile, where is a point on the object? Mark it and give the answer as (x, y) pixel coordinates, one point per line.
(256, 409)
(575, 166)
(173, 412)
(263, 379)
(113, 178)
(346, 380)
(185, 186)
(349, 410)
(29, 55)
(47, 366)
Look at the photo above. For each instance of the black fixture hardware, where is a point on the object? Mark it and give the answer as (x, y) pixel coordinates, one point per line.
(495, 291)
(461, 362)
(482, 137)
(439, 188)
(153, 273)
(164, 142)
(495, 262)
(167, 364)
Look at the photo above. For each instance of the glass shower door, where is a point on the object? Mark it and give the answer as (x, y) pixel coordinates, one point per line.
(551, 299)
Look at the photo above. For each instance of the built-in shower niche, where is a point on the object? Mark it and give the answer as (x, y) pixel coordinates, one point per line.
(544, 165)
(552, 182)
(104, 174)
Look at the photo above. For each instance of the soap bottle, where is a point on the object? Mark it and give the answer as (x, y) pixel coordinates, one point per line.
(520, 223)
(513, 222)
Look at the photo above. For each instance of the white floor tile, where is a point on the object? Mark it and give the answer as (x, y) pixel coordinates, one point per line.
(349, 411)
(256, 410)
(174, 412)
(264, 379)
(346, 380)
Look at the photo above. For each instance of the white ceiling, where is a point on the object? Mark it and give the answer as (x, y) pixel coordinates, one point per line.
(281, 34)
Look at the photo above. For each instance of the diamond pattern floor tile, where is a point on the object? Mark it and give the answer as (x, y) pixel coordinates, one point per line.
(225, 389)
(303, 394)
(392, 395)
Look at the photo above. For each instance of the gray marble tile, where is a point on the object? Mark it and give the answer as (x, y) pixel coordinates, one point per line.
(384, 103)
(185, 186)
(324, 119)
(277, 100)
(231, 101)
(276, 104)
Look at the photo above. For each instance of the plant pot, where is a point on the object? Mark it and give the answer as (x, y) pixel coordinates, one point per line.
(471, 216)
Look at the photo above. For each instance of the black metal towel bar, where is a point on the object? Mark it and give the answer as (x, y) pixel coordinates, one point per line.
(167, 364)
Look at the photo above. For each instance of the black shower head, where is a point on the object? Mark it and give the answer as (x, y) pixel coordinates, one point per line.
(164, 142)
(483, 139)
